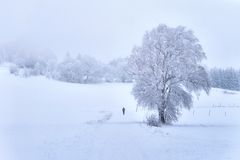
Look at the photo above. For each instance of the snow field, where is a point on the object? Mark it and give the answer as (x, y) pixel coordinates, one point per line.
(42, 119)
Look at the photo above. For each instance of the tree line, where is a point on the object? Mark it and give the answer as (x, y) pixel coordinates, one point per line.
(86, 69)
(79, 69)
(228, 78)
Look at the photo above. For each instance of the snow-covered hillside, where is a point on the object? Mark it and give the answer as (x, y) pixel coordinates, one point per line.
(43, 119)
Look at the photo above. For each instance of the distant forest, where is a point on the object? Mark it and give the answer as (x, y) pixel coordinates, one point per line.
(79, 69)
(228, 78)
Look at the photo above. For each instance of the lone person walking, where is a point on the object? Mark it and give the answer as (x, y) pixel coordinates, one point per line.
(123, 110)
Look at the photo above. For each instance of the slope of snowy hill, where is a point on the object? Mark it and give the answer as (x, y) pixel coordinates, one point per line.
(43, 119)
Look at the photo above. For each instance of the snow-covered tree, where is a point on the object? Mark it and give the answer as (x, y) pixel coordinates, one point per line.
(117, 71)
(167, 70)
(83, 69)
(91, 69)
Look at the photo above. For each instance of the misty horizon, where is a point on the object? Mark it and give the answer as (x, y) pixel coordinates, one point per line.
(108, 30)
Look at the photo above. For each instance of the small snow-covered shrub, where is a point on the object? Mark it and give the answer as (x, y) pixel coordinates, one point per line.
(229, 92)
(14, 69)
(152, 120)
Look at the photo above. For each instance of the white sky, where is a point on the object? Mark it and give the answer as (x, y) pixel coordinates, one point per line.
(108, 29)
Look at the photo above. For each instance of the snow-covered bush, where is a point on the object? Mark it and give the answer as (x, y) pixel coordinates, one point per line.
(14, 69)
(152, 120)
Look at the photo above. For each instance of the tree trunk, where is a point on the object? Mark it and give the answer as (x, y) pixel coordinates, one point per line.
(161, 117)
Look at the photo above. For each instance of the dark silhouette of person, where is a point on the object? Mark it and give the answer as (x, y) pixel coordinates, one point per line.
(123, 110)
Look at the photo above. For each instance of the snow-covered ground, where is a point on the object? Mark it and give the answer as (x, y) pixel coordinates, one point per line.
(42, 119)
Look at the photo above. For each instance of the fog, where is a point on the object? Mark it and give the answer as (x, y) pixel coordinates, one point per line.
(109, 29)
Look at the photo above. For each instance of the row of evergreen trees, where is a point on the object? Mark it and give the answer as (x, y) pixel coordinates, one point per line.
(225, 78)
